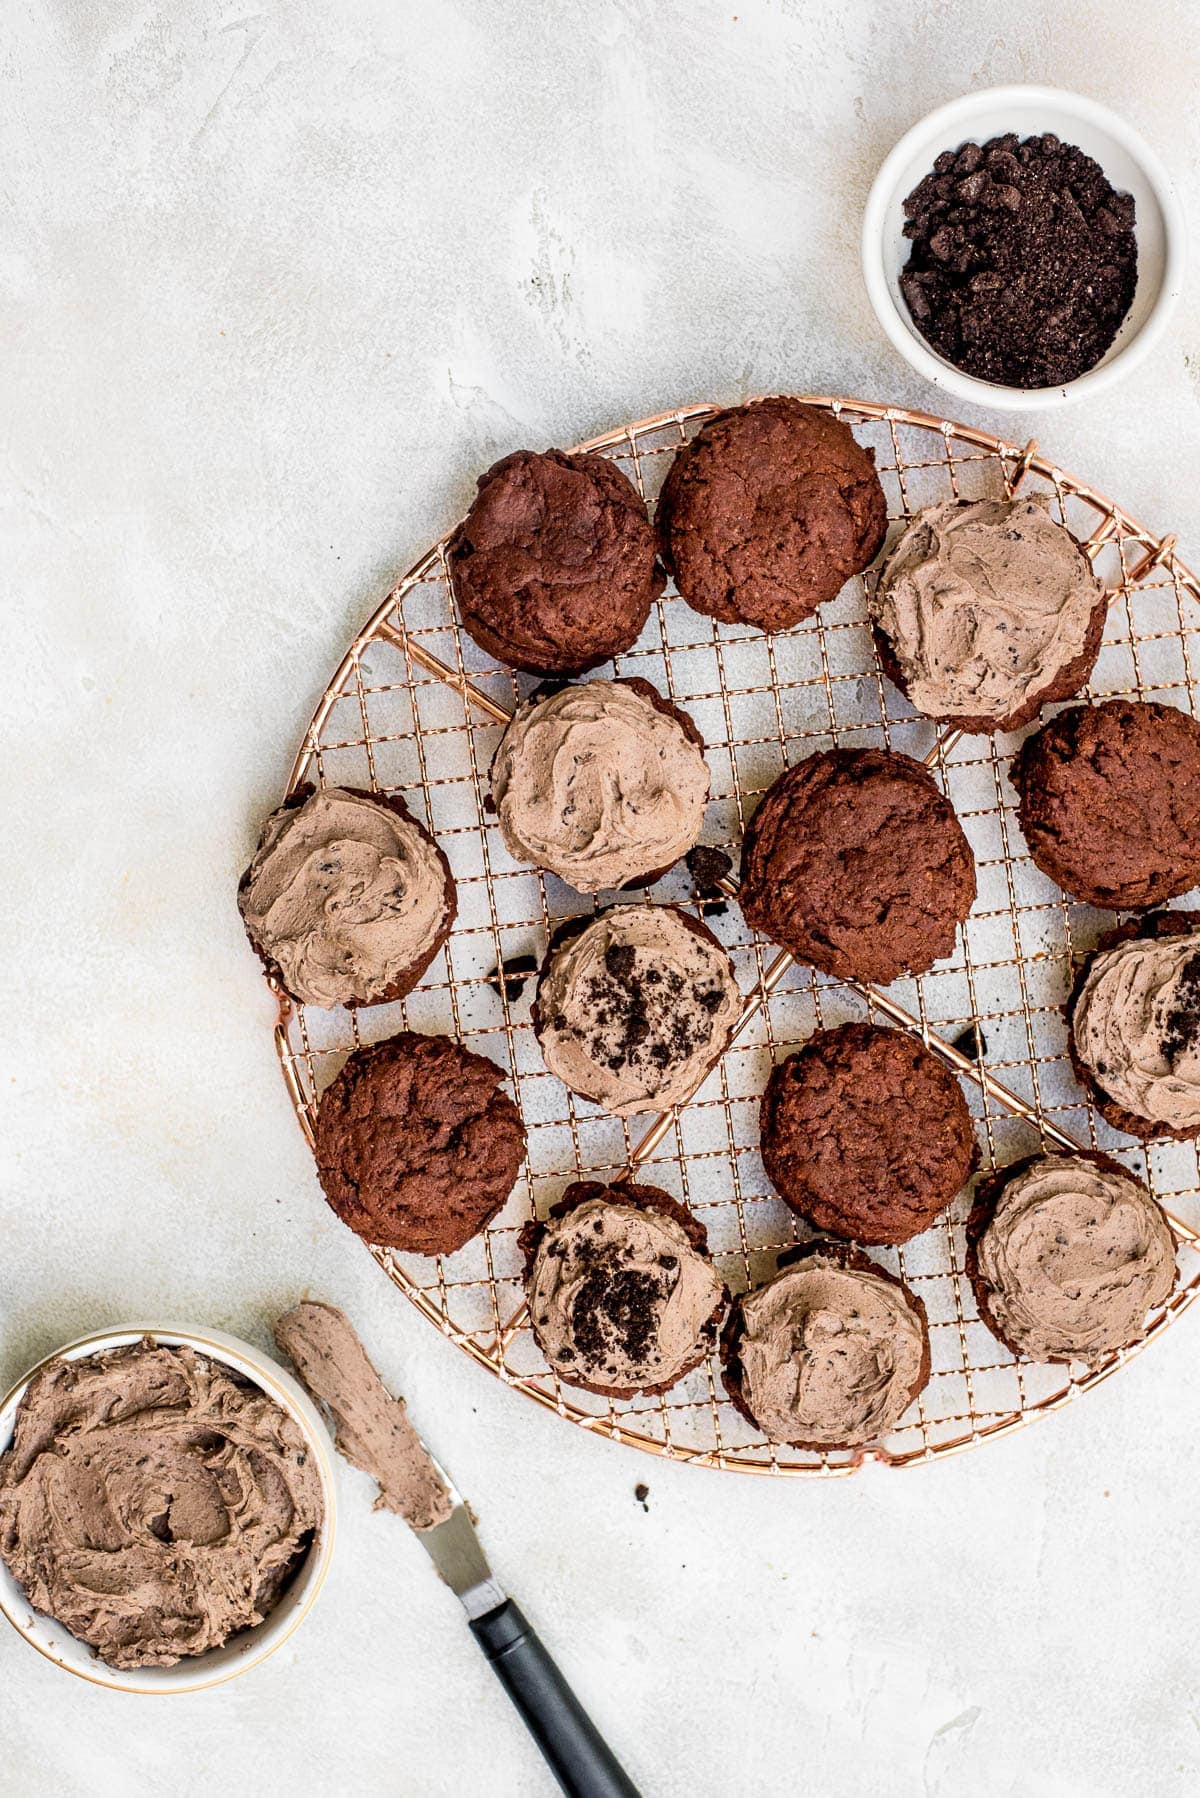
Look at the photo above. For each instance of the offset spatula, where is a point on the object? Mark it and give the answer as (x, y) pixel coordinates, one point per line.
(375, 1432)
(581, 1761)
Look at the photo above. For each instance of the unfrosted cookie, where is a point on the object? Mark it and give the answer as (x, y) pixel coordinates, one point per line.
(554, 567)
(417, 1147)
(768, 511)
(1110, 802)
(1067, 1255)
(866, 1133)
(1135, 1026)
(856, 863)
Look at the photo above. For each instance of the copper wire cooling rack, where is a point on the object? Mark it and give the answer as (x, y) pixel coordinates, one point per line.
(416, 708)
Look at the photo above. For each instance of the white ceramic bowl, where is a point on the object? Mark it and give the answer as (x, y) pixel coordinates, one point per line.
(243, 1651)
(1130, 165)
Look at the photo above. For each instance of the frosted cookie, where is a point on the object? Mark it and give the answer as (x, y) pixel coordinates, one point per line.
(622, 1295)
(1135, 1026)
(634, 1008)
(603, 784)
(986, 611)
(1067, 1255)
(348, 898)
(830, 1353)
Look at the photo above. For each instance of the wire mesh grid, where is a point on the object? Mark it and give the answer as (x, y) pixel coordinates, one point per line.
(416, 708)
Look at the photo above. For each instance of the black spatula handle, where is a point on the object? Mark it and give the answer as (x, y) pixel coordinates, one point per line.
(579, 1758)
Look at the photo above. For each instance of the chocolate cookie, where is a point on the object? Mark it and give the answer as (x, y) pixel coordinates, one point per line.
(830, 1353)
(622, 1295)
(635, 1007)
(554, 566)
(1067, 1254)
(1135, 1026)
(767, 513)
(856, 863)
(417, 1148)
(603, 784)
(867, 1134)
(986, 611)
(348, 898)
(1110, 802)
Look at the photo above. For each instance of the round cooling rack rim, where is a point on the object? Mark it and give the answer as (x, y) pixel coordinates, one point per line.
(700, 1426)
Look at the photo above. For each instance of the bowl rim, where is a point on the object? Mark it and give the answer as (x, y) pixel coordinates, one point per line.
(190, 1673)
(923, 358)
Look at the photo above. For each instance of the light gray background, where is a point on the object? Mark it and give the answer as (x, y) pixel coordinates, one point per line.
(277, 279)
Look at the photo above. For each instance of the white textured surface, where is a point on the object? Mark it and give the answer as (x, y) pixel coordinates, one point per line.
(275, 283)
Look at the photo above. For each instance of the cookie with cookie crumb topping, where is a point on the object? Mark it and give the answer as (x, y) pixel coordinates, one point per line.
(622, 1295)
(1135, 1026)
(635, 1007)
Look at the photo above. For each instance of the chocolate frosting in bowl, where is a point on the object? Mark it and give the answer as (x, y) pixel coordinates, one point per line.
(635, 1009)
(599, 784)
(1136, 1024)
(373, 1431)
(346, 895)
(984, 606)
(620, 1297)
(831, 1352)
(1075, 1254)
(153, 1502)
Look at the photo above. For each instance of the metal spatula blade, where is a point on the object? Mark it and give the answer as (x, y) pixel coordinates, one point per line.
(576, 1753)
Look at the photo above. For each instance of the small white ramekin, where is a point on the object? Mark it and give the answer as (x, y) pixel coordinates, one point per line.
(1130, 165)
(243, 1651)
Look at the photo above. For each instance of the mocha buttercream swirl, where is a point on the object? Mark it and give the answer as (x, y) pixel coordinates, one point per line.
(373, 1429)
(153, 1503)
(1073, 1258)
(345, 896)
(1137, 1027)
(984, 605)
(598, 785)
(620, 1297)
(635, 1009)
(830, 1354)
